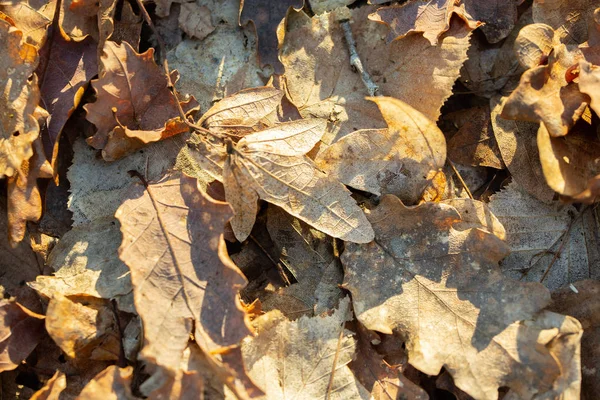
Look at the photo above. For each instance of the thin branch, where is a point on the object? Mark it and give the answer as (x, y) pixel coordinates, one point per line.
(460, 179)
(355, 61)
(334, 366)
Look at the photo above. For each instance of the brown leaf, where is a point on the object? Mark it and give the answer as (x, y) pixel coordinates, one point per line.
(184, 282)
(266, 16)
(581, 300)
(20, 96)
(137, 88)
(518, 146)
(195, 20)
(561, 247)
(314, 363)
(571, 20)
(474, 143)
(441, 287)
(83, 327)
(52, 389)
(545, 95)
(20, 331)
(66, 66)
(314, 51)
(112, 383)
(398, 160)
(589, 83)
(431, 18)
(571, 164)
(31, 22)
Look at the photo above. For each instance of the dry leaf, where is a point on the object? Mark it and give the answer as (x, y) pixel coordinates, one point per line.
(398, 160)
(28, 20)
(306, 358)
(20, 97)
(430, 18)
(20, 331)
(314, 51)
(195, 20)
(52, 389)
(571, 164)
(571, 20)
(581, 300)
(134, 86)
(266, 16)
(184, 282)
(518, 146)
(561, 247)
(442, 289)
(322, 6)
(113, 383)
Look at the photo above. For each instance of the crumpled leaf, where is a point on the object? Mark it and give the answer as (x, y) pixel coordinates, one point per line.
(571, 164)
(314, 362)
(83, 327)
(134, 86)
(314, 50)
(439, 286)
(20, 331)
(399, 160)
(195, 20)
(561, 247)
(53, 388)
(518, 146)
(266, 16)
(184, 282)
(582, 301)
(545, 95)
(20, 97)
(431, 18)
(113, 382)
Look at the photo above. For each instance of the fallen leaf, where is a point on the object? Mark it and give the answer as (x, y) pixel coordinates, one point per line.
(113, 383)
(519, 150)
(19, 100)
(137, 88)
(441, 288)
(571, 164)
(76, 25)
(20, 331)
(83, 327)
(266, 17)
(195, 20)
(314, 362)
(398, 160)
(430, 18)
(571, 20)
(183, 267)
(322, 6)
(560, 248)
(28, 20)
(581, 301)
(52, 389)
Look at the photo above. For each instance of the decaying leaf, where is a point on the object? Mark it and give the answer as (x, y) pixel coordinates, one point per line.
(399, 160)
(53, 388)
(561, 247)
(134, 105)
(20, 97)
(195, 20)
(267, 16)
(440, 287)
(184, 282)
(307, 358)
(20, 331)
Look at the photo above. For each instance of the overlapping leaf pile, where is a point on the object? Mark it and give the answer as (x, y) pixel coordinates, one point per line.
(205, 199)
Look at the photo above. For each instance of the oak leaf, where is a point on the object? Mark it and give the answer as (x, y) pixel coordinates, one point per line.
(398, 160)
(440, 286)
(134, 105)
(266, 16)
(183, 280)
(20, 331)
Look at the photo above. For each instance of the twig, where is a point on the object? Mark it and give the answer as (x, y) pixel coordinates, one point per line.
(460, 179)
(355, 61)
(334, 366)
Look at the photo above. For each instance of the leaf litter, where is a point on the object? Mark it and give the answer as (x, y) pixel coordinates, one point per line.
(311, 199)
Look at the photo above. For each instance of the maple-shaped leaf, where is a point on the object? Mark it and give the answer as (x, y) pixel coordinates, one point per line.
(20, 331)
(432, 18)
(53, 388)
(304, 359)
(266, 16)
(545, 94)
(183, 280)
(399, 160)
(112, 382)
(134, 105)
(272, 165)
(439, 285)
(66, 66)
(19, 99)
(560, 248)
(570, 164)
